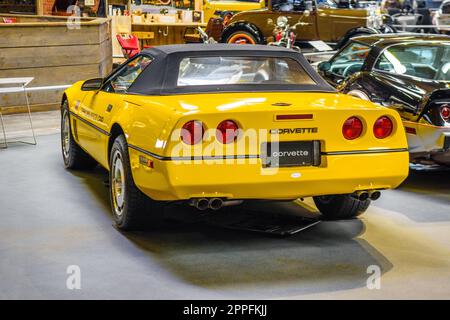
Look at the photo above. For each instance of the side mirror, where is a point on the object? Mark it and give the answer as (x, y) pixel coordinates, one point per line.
(324, 66)
(92, 84)
(308, 6)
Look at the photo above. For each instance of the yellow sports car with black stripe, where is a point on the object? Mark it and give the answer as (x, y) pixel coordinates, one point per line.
(214, 125)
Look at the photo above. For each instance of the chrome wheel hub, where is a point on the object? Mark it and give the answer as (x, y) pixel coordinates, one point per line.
(66, 135)
(118, 183)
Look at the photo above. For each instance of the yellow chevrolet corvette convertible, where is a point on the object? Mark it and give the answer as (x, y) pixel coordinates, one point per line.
(214, 125)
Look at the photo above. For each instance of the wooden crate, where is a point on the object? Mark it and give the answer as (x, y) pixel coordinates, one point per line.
(44, 48)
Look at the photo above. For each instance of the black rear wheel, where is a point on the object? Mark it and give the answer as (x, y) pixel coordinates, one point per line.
(337, 207)
(241, 37)
(131, 208)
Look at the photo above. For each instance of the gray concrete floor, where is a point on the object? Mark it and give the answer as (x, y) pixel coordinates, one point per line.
(51, 218)
(17, 126)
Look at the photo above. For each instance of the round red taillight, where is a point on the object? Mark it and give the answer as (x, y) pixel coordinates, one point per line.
(352, 128)
(227, 131)
(383, 127)
(192, 132)
(445, 112)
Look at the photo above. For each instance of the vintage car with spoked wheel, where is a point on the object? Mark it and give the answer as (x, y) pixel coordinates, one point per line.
(409, 73)
(213, 125)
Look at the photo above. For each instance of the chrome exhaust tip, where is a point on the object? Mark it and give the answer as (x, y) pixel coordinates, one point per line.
(215, 203)
(374, 195)
(200, 203)
(361, 195)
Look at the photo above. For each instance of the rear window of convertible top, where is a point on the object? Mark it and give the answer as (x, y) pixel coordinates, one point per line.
(222, 70)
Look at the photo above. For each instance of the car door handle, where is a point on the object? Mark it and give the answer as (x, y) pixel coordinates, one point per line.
(109, 108)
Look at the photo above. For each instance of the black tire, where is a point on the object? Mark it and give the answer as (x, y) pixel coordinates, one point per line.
(242, 34)
(137, 210)
(74, 157)
(337, 207)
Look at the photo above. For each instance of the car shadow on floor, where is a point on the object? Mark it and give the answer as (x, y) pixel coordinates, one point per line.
(435, 183)
(423, 197)
(326, 257)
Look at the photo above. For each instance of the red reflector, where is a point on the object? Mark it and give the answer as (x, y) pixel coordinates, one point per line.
(294, 116)
(352, 128)
(410, 130)
(383, 127)
(146, 162)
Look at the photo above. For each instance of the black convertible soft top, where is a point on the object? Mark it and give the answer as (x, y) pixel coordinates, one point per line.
(160, 77)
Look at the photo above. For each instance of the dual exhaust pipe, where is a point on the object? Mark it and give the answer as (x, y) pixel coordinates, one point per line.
(364, 195)
(217, 203)
(212, 203)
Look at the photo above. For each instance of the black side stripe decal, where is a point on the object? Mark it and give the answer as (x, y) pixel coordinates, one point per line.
(335, 153)
(156, 156)
(90, 124)
(151, 154)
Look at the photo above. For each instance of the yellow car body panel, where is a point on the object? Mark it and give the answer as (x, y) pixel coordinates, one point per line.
(210, 7)
(149, 122)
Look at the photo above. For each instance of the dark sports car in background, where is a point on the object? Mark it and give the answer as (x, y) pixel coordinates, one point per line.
(406, 72)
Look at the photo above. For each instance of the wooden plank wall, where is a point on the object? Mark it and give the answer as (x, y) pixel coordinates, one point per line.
(53, 55)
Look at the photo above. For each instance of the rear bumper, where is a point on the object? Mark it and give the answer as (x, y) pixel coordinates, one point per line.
(246, 179)
(428, 143)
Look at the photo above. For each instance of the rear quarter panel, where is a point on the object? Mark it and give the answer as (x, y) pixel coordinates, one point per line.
(146, 121)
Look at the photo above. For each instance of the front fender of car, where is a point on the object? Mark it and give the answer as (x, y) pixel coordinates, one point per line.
(73, 94)
(375, 88)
